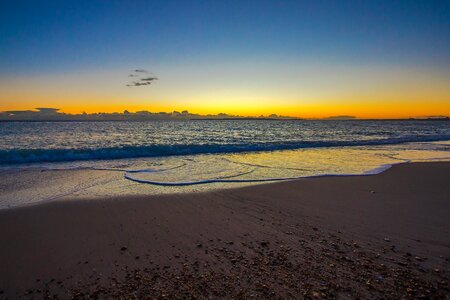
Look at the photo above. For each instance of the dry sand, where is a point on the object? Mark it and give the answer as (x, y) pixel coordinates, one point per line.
(386, 235)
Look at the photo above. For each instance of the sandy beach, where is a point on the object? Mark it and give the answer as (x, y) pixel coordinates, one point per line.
(380, 236)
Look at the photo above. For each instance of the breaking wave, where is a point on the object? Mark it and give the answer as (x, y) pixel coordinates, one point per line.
(20, 156)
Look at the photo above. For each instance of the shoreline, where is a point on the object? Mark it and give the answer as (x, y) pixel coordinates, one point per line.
(352, 236)
(371, 172)
(242, 183)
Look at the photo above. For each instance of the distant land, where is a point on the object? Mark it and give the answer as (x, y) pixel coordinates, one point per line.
(341, 117)
(54, 114)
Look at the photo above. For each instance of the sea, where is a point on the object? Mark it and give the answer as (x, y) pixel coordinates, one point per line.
(201, 152)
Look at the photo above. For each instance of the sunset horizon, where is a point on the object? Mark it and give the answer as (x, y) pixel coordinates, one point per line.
(218, 113)
(375, 60)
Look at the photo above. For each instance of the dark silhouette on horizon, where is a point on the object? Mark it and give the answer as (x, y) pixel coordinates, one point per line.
(53, 114)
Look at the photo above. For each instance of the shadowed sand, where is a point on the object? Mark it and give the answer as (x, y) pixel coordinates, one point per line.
(355, 236)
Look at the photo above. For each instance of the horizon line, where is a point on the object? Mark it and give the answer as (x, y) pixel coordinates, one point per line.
(55, 114)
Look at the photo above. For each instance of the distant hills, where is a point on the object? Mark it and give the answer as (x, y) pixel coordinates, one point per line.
(54, 114)
(341, 118)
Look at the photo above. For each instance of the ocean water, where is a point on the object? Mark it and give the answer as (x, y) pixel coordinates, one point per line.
(183, 153)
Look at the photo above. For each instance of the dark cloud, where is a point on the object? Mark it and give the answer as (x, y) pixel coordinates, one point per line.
(141, 81)
(149, 79)
(138, 83)
(53, 114)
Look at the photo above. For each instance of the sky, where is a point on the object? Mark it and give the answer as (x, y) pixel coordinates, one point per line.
(312, 59)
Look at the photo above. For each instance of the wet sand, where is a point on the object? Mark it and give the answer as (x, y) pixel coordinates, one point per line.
(386, 235)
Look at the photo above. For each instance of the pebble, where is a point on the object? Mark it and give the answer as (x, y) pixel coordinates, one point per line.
(264, 244)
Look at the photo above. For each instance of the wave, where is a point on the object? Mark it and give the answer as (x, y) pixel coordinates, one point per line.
(20, 156)
(377, 170)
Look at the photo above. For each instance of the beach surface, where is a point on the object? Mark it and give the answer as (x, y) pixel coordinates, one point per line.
(378, 236)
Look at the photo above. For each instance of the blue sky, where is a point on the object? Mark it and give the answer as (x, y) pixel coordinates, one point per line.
(293, 52)
(39, 36)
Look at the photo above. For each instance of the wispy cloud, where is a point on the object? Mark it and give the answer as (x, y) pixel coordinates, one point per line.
(141, 81)
(149, 78)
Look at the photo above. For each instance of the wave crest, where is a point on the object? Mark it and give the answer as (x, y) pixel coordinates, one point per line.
(20, 156)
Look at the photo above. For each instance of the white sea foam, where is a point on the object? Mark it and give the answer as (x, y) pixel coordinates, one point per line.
(246, 168)
(191, 173)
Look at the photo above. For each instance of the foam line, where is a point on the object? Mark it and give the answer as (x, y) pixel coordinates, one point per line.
(21, 156)
(374, 171)
(220, 179)
(380, 169)
(139, 171)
